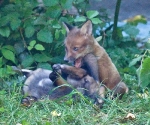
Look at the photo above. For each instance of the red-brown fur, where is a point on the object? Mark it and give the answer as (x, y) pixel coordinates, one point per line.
(83, 40)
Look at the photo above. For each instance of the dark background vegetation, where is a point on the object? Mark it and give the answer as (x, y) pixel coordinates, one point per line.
(31, 36)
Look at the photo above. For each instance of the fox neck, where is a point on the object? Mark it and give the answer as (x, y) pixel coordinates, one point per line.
(94, 47)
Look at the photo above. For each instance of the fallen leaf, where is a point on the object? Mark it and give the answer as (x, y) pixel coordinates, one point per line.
(55, 113)
(18, 124)
(130, 116)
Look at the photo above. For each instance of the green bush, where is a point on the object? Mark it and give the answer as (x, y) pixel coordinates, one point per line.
(34, 37)
(143, 72)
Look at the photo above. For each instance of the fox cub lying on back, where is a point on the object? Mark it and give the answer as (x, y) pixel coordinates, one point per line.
(43, 83)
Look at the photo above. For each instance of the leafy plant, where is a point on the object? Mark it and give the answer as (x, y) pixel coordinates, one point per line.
(7, 55)
(33, 44)
(32, 35)
(143, 71)
(91, 15)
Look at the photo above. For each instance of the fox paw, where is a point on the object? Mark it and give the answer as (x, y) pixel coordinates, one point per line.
(99, 102)
(28, 101)
(57, 68)
(56, 72)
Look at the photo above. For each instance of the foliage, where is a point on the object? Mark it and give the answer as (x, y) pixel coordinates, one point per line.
(36, 32)
(31, 36)
(143, 71)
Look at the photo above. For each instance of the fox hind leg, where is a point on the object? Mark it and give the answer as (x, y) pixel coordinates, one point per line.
(28, 101)
(120, 90)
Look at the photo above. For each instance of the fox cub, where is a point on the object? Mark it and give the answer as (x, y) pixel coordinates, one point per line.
(79, 43)
(43, 83)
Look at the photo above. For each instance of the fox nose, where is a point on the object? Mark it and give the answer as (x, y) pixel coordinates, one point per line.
(66, 60)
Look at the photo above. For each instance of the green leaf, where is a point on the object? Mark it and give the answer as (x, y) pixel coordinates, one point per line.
(19, 47)
(28, 61)
(4, 20)
(2, 109)
(2, 72)
(96, 21)
(92, 13)
(44, 66)
(56, 26)
(15, 23)
(5, 31)
(131, 30)
(80, 19)
(25, 122)
(45, 35)
(41, 58)
(50, 2)
(32, 43)
(13, 15)
(66, 4)
(9, 55)
(147, 44)
(9, 8)
(39, 47)
(57, 32)
(29, 31)
(134, 61)
(144, 75)
(53, 12)
(1, 61)
(30, 47)
(10, 70)
(57, 59)
(10, 47)
(41, 20)
(99, 38)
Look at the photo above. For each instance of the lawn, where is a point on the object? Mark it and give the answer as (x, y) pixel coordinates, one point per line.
(66, 111)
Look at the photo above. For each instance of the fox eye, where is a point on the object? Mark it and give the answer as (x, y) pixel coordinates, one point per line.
(76, 48)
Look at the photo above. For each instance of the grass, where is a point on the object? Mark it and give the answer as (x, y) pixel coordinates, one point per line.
(68, 112)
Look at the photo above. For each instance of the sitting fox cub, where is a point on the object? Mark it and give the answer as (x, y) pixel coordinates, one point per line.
(78, 44)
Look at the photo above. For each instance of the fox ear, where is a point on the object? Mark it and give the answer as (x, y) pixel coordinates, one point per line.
(87, 28)
(67, 27)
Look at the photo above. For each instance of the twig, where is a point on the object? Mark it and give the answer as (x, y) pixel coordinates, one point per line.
(23, 40)
(25, 45)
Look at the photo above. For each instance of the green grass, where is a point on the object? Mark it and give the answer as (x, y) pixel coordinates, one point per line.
(80, 112)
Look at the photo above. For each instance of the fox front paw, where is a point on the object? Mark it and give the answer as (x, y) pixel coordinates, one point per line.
(57, 68)
(56, 72)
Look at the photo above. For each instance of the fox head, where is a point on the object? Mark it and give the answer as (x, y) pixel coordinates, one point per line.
(78, 43)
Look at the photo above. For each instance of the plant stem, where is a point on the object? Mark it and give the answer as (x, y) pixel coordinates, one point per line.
(114, 34)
